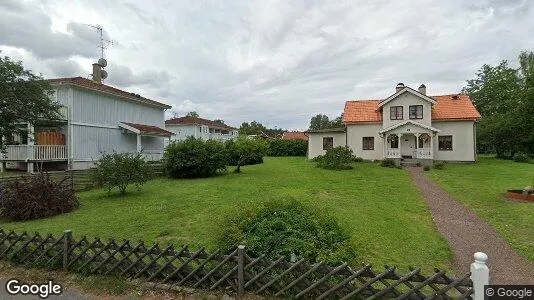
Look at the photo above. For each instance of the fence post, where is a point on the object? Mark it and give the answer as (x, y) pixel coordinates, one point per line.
(241, 270)
(479, 275)
(67, 243)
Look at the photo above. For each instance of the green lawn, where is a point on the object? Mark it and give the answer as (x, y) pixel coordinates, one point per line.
(482, 186)
(383, 212)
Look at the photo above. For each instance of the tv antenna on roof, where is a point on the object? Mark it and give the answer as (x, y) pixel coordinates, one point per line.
(104, 44)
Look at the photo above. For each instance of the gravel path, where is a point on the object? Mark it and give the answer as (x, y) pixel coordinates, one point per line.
(467, 234)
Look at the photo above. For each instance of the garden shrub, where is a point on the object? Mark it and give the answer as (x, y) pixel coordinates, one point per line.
(36, 196)
(439, 166)
(388, 163)
(426, 168)
(194, 157)
(521, 157)
(336, 158)
(279, 147)
(245, 151)
(119, 170)
(285, 229)
(357, 159)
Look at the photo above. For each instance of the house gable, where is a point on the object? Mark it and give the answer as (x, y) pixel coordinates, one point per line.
(406, 90)
(403, 102)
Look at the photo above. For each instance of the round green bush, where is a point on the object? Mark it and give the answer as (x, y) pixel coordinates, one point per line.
(388, 163)
(245, 151)
(337, 158)
(521, 157)
(286, 229)
(426, 168)
(193, 157)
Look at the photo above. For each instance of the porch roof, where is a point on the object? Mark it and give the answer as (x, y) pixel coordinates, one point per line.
(433, 129)
(145, 129)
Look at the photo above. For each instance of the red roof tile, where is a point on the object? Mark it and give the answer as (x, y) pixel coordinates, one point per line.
(446, 108)
(148, 129)
(294, 135)
(87, 83)
(197, 121)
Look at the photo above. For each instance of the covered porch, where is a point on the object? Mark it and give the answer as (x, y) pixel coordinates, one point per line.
(409, 140)
(149, 139)
(40, 143)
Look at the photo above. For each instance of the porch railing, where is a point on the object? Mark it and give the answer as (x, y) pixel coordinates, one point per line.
(393, 153)
(35, 152)
(425, 153)
(152, 155)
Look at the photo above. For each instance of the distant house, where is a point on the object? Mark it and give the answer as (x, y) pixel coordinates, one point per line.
(96, 119)
(295, 135)
(199, 128)
(408, 124)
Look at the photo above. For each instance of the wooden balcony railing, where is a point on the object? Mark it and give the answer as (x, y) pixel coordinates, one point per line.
(34, 153)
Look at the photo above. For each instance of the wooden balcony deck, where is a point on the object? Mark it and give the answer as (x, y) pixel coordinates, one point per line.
(34, 153)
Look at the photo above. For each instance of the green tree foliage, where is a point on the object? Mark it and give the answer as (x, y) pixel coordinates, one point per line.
(286, 229)
(192, 114)
(504, 97)
(256, 128)
(36, 197)
(245, 151)
(279, 147)
(119, 170)
(321, 121)
(194, 157)
(336, 158)
(24, 97)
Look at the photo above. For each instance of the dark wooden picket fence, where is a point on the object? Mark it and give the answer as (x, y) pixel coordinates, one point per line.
(237, 271)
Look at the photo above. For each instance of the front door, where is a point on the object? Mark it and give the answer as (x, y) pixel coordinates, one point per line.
(408, 145)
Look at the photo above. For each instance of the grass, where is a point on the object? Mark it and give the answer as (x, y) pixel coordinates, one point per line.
(384, 214)
(482, 186)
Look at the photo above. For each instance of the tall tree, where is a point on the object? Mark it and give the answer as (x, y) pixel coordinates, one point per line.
(24, 97)
(504, 97)
(252, 128)
(321, 121)
(193, 114)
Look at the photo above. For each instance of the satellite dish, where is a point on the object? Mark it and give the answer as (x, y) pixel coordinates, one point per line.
(102, 62)
(104, 74)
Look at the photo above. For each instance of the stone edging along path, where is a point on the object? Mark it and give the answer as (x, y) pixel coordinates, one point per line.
(467, 234)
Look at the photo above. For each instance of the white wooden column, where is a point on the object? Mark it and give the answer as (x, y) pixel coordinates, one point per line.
(384, 150)
(479, 275)
(431, 137)
(417, 144)
(30, 148)
(139, 146)
(399, 135)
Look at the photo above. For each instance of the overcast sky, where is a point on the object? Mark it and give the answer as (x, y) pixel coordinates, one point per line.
(277, 62)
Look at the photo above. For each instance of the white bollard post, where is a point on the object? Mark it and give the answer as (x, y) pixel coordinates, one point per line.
(479, 275)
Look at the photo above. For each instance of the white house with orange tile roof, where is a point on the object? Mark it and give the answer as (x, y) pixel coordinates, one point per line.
(408, 124)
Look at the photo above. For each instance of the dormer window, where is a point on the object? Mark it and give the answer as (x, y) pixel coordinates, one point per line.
(416, 111)
(395, 113)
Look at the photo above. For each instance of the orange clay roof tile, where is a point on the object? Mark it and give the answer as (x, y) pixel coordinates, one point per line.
(446, 108)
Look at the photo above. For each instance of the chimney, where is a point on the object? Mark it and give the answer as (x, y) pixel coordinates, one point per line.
(422, 89)
(97, 73)
(399, 87)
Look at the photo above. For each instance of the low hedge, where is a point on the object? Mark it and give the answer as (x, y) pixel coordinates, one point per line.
(279, 147)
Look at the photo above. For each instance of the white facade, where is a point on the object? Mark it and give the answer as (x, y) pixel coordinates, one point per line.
(403, 135)
(92, 127)
(205, 132)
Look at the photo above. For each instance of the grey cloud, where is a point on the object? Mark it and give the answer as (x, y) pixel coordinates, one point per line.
(278, 62)
(124, 76)
(26, 25)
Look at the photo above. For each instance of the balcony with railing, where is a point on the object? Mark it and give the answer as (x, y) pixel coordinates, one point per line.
(393, 153)
(34, 153)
